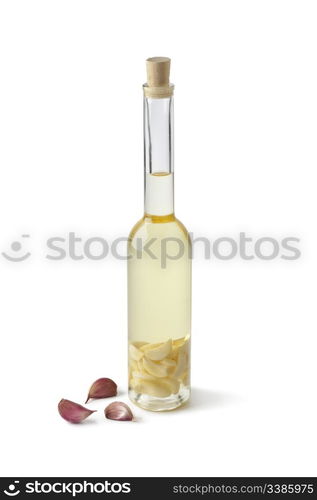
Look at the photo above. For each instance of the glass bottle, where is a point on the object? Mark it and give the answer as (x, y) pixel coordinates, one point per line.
(159, 265)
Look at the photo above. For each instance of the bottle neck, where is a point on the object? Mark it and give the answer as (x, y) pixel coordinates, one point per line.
(158, 156)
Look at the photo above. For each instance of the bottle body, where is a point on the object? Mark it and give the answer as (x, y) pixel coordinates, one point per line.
(159, 313)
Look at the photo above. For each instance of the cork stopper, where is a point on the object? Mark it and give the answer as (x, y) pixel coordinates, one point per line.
(158, 73)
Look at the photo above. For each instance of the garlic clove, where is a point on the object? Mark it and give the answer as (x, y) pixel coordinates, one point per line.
(135, 353)
(160, 352)
(185, 378)
(139, 344)
(179, 346)
(102, 388)
(184, 347)
(142, 375)
(171, 383)
(157, 389)
(140, 367)
(179, 342)
(73, 412)
(118, 411)
(154, 368)
(133, 383)
(133, 365)
(148, 346)
(174, 354)
(170, 363)
(181, 365)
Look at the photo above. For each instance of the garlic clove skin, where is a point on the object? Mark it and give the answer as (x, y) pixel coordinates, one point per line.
(102, 388)
(118, 411)
(73, 412)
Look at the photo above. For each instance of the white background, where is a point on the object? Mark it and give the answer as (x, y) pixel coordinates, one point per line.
(72, 160)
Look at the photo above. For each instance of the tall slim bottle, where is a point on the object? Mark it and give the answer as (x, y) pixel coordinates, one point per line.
(159, 264)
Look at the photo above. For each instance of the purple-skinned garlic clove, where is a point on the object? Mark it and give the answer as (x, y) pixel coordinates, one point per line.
(102, 388)
(73, 412)
(118, 411)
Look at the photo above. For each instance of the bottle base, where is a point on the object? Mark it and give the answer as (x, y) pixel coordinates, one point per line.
(153, 403)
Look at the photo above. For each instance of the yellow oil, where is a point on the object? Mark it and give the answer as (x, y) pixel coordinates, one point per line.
(159, 312)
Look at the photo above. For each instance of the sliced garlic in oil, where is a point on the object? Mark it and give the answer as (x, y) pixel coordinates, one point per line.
(142, 375)
(139, 344)
(178, 342)
(170, 363)
(148, 346)
(171, 383)
(160, 368)
(181, 365)
(135, 353)
(156, 389)
(160, 352)
(155, 369)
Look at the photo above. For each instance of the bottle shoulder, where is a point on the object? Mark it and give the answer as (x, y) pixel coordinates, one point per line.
(182, 227)
(135, 229)
(161, 226)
